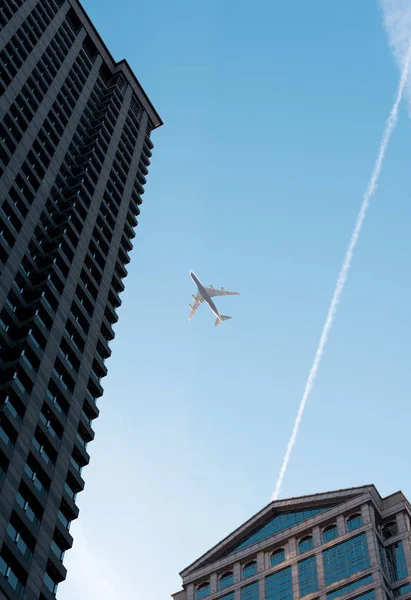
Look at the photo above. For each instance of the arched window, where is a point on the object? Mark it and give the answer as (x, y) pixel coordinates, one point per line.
(277, 557)
(354, 522)
(330, 532)
(203, 590)
(226, 579)
(249, 569)
(389, 530)
(306, 543)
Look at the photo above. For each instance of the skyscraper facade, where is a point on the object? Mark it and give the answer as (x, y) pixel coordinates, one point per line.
(75, 149)
(345, 545)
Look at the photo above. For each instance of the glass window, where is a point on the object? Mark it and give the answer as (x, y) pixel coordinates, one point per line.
(307, 576)
(402, 590)
(389, 530)
(203, 590)
(226, 579)
(330, 533)
(250, 592)
(354, 522)
(349, 588)
(277, 524)
(346, 559)
(305, 544)
(277, 557)
(367, 596)
(383, 558)
(279, 585)
(249, 569)
(229, 596)
(397, 568)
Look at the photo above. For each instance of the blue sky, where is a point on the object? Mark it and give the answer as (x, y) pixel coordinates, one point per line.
(273, 113)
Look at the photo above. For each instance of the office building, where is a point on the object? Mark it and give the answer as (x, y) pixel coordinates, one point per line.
(345, 545)
(75, 149)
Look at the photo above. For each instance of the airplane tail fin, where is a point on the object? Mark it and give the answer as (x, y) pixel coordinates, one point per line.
(223, 318)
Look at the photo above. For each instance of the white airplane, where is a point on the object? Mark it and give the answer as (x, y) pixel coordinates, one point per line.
(204, 295)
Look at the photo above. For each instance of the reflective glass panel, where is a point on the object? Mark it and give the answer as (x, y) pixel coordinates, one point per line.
(225, 580)
(277, 557)
(397, 567)
(354, 522)
(249, 569)
(330, 533)
(307, 576)
(250, 592)
(227, 597)
(367, 596)
(277, 524)
(346, 559)
(403, 589)
(203, 591)
(279, 586)
(349, 588)
(305, 544)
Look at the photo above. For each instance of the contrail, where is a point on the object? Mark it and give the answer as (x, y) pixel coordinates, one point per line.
(342, 277)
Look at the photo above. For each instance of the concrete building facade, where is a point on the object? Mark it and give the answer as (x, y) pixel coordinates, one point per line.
(75, 148)
(345, 545)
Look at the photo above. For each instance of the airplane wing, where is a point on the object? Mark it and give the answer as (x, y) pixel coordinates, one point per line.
(211, 291)
(198, 300)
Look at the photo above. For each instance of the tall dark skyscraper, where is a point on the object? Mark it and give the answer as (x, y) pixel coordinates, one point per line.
(75, 149)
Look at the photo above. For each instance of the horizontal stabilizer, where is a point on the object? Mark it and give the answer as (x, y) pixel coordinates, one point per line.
(223, 318)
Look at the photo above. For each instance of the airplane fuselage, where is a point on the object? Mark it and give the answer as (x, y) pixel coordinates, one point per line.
(203, 293)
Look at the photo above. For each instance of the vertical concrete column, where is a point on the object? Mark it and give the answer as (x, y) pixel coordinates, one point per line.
(213, 583)
(368, 514)
(190, 591)
(292, 548)
(237, 572)
(372, 548)
(379, 594)
(341, 526)
(260, 562)
(316, 537)
(261, 589)
(294, 580)
(320, 570)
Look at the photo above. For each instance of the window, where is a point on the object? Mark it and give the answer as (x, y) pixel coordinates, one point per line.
(50, 583)
(307, 576)
(330, 533)
(346, 559)
(402, 590)
(28, 507)
(367, 596)
(203, 590)
(10, 575)
(250, 592)
(249, 569)
(349, 588)
(306, 543)
(20, 537)
(389, 530)
(226, 580)
(397, 567)
(277, 557)
(277, 524)
(229, 596)
(279, 586)
(354, 522)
